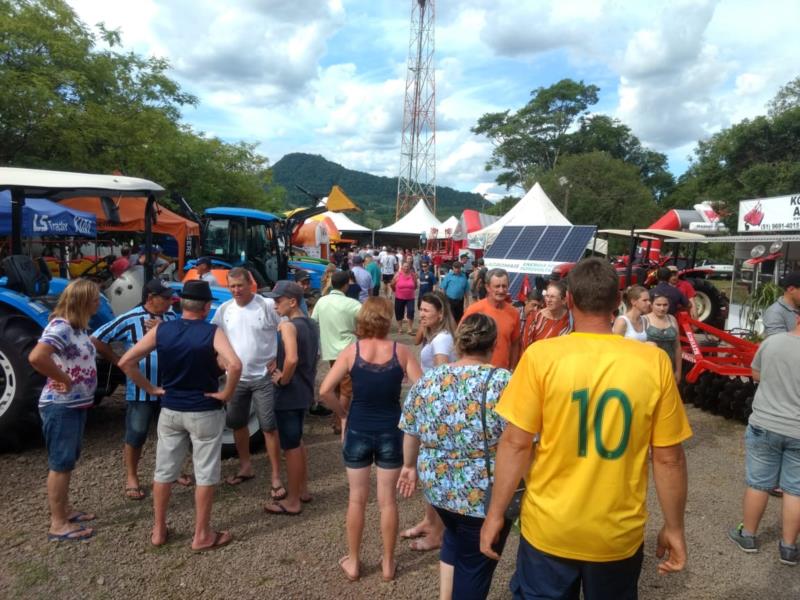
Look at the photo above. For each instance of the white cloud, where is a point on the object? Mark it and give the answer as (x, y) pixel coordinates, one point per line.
(328, 77)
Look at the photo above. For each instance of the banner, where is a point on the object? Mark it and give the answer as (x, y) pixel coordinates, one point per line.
(767, 215)
(531, 267)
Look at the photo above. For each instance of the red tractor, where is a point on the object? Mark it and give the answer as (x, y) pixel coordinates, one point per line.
(642, 263)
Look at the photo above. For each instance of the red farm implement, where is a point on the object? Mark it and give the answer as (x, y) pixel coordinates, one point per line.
(717, 375)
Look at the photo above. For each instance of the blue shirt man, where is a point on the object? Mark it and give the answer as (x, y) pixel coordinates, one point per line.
(363, 278)
(455, 286)
(142, 408)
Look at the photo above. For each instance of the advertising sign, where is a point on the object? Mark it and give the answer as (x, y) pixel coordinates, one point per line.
(768, 215)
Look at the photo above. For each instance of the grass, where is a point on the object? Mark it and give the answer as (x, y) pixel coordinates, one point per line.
(30, 575)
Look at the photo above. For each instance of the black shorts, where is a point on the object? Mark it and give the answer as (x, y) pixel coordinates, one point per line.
(387, 279)
(290, 427)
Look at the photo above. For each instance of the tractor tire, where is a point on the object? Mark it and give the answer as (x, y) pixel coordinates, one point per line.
(20, 384)
(709, 303)
(256, 437)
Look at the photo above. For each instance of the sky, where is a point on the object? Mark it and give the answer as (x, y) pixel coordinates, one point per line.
(328, 76)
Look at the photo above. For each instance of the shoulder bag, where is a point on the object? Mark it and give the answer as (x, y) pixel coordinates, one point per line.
(514, 507)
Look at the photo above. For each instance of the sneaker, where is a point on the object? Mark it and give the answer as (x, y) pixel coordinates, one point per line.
(790, 555)
(746, 543)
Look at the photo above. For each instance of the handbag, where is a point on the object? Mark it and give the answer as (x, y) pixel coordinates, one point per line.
(515, 506)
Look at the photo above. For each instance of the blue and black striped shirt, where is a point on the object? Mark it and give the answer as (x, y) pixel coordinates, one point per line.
(128, 328)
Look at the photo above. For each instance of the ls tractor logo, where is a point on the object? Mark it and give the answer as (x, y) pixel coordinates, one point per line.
(41, 223)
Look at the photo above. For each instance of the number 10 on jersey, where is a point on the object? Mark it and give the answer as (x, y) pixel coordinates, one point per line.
(609, 395)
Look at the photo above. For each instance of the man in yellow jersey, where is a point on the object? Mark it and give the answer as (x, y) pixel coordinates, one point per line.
(599, 403)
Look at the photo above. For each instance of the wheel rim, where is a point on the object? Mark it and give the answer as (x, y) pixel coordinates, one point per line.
(252, 427)
(8, 383)
(703, 305)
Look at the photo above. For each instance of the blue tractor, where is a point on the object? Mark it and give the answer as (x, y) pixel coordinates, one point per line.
(28, 294)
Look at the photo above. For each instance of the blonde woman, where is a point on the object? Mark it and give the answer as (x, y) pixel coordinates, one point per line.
(377, 366)
(66, 356)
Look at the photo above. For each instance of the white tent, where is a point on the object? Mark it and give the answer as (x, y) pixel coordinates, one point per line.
(342, 221)
(535, 208)
(450, 224)
(419, 220)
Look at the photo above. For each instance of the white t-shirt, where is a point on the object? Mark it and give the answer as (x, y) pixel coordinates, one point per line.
(209, 277)
(388, 262)
(442, 343)
(253, 333)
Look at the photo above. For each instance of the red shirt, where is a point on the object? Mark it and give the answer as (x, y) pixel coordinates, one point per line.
(507, 320)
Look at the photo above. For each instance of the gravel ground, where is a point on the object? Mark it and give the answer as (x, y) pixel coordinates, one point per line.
(282, 557)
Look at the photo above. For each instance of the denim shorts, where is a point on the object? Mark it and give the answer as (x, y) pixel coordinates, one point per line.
(176, 429)
(384, 448)
(290, 427)
(138, 417)
(259, 392)
(772, 460)
(62, 428)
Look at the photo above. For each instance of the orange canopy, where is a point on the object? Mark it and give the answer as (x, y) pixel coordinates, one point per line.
(131, 218)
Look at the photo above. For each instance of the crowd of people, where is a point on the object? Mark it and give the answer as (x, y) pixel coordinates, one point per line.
(558, 393)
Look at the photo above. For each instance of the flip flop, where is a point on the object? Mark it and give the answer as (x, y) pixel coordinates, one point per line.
(350, 578)
(274, 496)
(282, 510)
(81, 517)
(71, 536)
(221, 538)
(135, 493)
(239, 479)
(417, 545)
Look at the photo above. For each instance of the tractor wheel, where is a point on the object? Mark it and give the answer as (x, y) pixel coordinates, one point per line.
(709, 303)
(20, 384)
(256, 438)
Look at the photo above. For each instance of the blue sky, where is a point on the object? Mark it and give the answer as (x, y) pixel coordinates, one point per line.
(327, 76)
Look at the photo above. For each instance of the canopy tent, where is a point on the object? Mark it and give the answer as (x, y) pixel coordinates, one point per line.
(127, 214)
(535, 208)
(448, 227)
(418, 220)
(42, 217)
(470, 221)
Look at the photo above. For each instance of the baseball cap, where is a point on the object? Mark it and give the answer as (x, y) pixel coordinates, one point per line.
(301, 274)
(158, 288)
(791, 280)
(286, 289)
(203, 261)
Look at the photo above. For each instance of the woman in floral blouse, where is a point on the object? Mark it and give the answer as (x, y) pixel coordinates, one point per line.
(444, 448)
(66, 356)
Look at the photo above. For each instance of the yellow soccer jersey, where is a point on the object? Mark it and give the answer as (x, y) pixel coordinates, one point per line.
(599, 402)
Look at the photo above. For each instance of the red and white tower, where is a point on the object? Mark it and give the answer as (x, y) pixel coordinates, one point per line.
(418, 147)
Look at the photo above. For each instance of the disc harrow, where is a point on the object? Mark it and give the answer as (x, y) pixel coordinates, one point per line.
(718, 377)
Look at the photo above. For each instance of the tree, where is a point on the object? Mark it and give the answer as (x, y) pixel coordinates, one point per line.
(787, 98)
(603, 191)
(754, 158)
(500, 208)
(530, 141)
(606, 134)
(66, 104)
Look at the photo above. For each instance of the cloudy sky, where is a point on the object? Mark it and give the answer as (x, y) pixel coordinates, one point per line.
(328, 76)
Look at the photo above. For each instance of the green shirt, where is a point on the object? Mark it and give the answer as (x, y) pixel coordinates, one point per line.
(336, 315)
(375, 271)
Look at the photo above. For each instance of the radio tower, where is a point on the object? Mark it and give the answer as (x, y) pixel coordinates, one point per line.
(418, 147)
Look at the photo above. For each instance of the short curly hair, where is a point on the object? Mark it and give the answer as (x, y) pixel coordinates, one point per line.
(374, 319)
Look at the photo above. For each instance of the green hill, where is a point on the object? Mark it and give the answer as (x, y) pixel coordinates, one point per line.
(375, 195)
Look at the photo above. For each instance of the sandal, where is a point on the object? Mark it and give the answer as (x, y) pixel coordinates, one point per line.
(221, 538)
(135, 493)
(350, 578)
(276, 494)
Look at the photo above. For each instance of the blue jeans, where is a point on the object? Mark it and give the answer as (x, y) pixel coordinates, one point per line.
(62, 428)
(771, 460)
(290, 427)
(361, 448)
(539, 576)
(138, 416)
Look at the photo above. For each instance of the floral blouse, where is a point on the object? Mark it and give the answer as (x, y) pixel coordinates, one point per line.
(443, 410)
(75, 355)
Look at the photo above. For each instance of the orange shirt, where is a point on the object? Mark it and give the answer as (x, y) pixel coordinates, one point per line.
(507, 321)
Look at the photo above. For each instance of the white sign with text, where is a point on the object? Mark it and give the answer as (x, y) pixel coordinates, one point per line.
(781, 213)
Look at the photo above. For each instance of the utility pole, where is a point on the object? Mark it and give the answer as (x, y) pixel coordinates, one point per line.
(417, 178)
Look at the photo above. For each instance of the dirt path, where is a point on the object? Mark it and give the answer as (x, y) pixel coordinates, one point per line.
(283, 557)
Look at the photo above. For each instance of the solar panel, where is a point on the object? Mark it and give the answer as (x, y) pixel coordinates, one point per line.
(547, 246)
(504, 241)
(574, 244)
